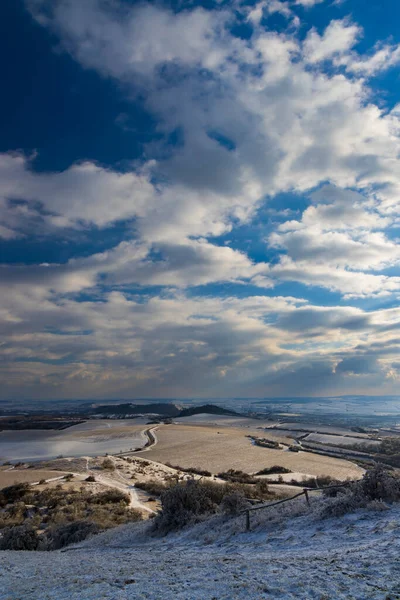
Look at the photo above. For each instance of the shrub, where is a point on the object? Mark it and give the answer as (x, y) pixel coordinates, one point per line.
(265, 442)
(90, 479)
(111, 496)
(22, 537)
(108, 464)
(379, 484)
(153, 486)
(276, 469)
(376, 487)
(233, 504)
(320, 481)
(191, 470)
(13, 493)
(184, 503)
(187, 502)
(237, 476)
(70, 533)
(377, 505)
(341, 505)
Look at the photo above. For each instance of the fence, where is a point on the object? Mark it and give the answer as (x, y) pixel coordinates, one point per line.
(304, 492)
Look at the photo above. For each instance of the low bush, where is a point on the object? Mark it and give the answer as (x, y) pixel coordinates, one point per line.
(111, 496)
(23, 537)
(153, 486)
(341, 505)
(233, 504)
(264, 442)
(108, 464)
(276, 469)
(377, 486)
(321, 481)
(187, 502)
(13, 493)
(237, 477)
(70, 533)
(55, 507)
(191, 470)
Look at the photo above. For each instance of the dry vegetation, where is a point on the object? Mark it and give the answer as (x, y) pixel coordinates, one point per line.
(188, 502)
(49, 517)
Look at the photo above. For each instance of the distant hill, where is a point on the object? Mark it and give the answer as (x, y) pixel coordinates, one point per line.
(209, 409)
(162, 409)
(158, 408)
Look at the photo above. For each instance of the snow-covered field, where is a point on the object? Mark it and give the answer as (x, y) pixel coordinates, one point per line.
(339, 440)
(356, 557)
(221, 448)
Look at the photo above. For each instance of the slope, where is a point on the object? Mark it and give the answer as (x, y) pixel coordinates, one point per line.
(292, 556)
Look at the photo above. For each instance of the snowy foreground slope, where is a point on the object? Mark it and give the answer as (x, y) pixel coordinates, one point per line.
(353, 557)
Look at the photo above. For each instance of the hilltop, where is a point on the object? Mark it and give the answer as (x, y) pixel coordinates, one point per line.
(161, 409)
(298, 557)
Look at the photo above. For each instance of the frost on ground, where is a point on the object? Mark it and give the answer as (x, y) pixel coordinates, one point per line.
(292, 556)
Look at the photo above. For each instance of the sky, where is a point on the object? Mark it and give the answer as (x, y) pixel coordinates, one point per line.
(199, 199)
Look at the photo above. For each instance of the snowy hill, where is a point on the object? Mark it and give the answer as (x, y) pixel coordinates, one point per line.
(295, 555)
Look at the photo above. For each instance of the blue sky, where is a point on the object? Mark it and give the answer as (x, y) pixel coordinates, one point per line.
(199, 198)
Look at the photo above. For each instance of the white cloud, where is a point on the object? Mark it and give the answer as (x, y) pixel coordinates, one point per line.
(184, 344)
(338, 38)
(257, 117)
(384, 58)
(351, 284)
(309, 3)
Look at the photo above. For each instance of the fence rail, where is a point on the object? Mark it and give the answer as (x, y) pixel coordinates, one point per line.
(304, 492)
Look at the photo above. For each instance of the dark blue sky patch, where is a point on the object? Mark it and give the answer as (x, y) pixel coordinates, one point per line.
(54, 107)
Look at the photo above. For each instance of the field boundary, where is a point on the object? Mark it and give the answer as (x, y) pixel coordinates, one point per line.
(305, 492)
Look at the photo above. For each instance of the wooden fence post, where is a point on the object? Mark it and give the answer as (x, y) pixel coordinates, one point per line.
(247, 520)
(307, 498)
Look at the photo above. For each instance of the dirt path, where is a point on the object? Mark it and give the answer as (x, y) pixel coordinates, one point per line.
(124, 484)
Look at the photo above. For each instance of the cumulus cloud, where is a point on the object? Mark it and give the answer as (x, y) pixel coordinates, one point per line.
(256, 118)
(336, 40)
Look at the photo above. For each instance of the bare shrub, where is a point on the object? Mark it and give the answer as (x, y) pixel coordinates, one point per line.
(341, 505)
(70, 533)
(153, 486)
(187, 502)
(111, 496)
(379, 484)
(108, 464)
(276, 469)
(13, 493)
(237, 476)
(90, 479)
(233, 504)
(184, 503)
(23, 537)
(191, 470)
(377, 505)
(320, 481)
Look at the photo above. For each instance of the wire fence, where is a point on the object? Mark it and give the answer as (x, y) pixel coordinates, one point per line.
(304, 492)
